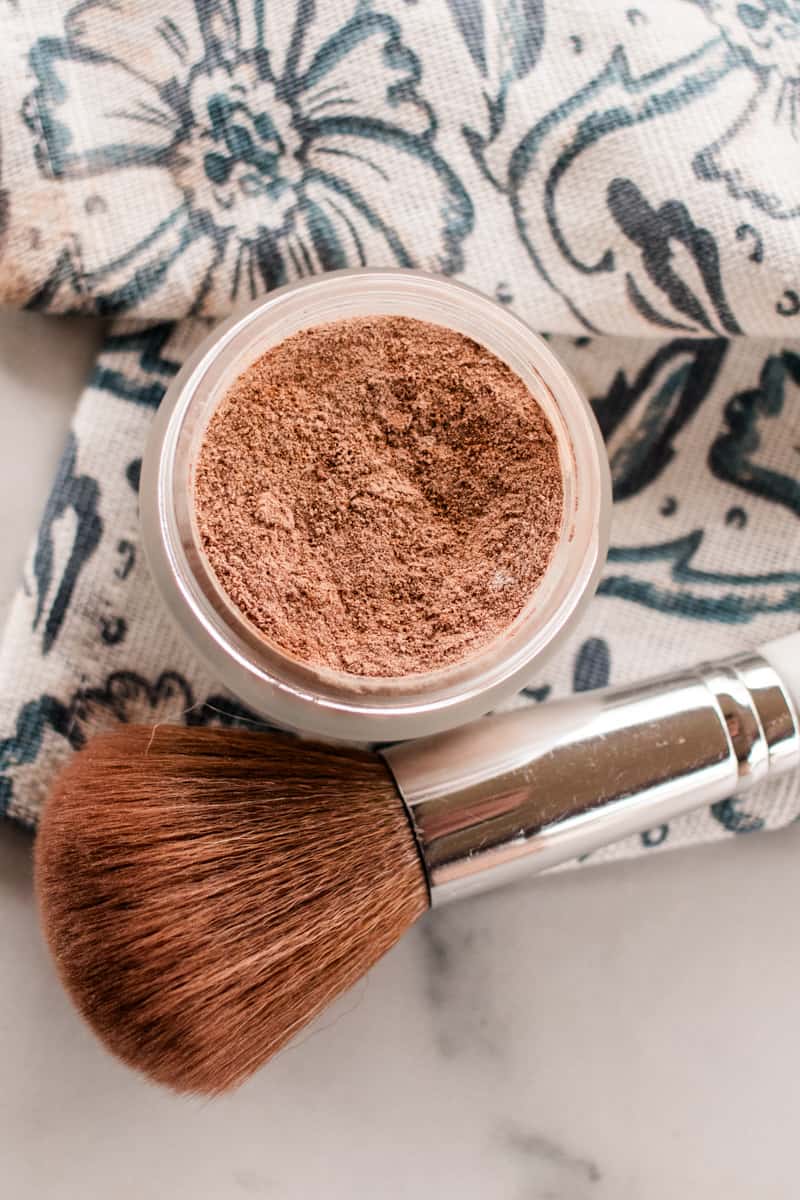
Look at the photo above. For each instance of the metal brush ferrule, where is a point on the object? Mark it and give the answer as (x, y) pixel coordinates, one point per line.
(526, 790)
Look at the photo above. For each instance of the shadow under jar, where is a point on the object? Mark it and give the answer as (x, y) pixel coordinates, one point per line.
(315, 696)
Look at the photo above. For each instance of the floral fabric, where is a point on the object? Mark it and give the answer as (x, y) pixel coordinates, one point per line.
(626, 177)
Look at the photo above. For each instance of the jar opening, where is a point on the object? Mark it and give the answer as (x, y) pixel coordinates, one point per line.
(379, 496)
(336, 702)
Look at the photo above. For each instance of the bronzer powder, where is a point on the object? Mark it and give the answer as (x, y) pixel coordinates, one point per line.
(379, 495)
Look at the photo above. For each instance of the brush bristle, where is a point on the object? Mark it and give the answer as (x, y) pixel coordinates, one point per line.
(207, 892)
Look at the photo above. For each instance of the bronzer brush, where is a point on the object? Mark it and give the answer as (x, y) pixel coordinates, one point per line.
(207, 892)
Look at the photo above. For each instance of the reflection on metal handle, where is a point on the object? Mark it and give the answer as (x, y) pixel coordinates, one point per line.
(526, 790)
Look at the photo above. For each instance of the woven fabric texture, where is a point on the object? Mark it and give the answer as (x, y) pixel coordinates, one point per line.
(627, 178)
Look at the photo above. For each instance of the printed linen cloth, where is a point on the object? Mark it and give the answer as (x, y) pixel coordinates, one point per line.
(625, 176)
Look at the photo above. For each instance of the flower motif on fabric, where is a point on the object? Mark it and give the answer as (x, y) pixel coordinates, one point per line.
(231, 149)
(661, 164)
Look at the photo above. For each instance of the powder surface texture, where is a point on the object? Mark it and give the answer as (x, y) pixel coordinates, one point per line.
(379, 495)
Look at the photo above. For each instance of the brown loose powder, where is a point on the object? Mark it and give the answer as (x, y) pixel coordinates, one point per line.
(379, 495)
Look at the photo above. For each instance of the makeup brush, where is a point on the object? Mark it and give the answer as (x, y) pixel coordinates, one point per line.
(207, 892)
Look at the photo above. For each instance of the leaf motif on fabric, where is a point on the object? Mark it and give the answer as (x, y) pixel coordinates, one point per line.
(734, 454)
(549, 155)
(469, 19)
(504, 38)
(653, 231)
(79, 496)
(641, 418)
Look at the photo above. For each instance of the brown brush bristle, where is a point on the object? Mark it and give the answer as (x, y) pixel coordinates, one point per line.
(207, 892)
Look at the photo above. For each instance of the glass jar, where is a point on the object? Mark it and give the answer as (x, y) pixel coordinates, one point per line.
(326, 702)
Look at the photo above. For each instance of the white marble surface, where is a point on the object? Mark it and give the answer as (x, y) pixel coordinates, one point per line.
(622, 1033)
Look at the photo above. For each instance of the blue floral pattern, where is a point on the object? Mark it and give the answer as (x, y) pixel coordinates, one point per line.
(260, 143)
(266, 170)
(739, 65)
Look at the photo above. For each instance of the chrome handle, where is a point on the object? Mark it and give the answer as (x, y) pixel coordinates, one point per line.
(526, 790)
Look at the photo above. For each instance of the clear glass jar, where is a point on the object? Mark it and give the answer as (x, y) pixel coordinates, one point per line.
(322, 701)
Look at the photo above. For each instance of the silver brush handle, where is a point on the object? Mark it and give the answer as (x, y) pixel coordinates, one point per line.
(529, 789)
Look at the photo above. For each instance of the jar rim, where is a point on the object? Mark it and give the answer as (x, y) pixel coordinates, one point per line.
(324, 701)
